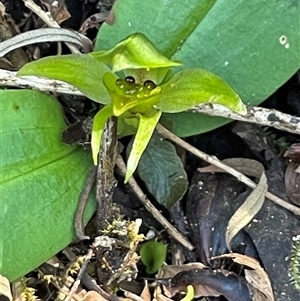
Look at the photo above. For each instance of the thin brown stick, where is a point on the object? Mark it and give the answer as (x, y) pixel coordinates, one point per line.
(80, 275)
(79, 223)
(156, 214)
(92, 285)
(213, 160)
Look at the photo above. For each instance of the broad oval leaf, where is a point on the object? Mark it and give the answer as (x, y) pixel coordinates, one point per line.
(162, 172)
(153, 255)
(41, 181)
(194, 86)
(143, 135)
(80, 70)
(134, 52)
(242, 42)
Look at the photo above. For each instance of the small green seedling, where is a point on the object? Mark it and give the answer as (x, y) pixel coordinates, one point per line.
(153, 255)
(145, 88)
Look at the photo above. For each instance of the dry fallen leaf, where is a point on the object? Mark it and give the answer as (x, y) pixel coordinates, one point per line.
(159, 296)
(253, 202)
(169, 271)
(146, 295)
(5, 292)
(257, 276)
(208, 282)
(245, 213)
(93, 296)
(292, 183)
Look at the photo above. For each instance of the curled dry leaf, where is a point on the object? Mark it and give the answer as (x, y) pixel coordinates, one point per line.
(292, 182)
(210, 283)
(57, 9)
(93, 296)
(245, 213)
(292, 174)
(257, 276)
(293, 152)
(253, 202)
(146, 295)
(170, 271)
(159, 296)
(5, 292)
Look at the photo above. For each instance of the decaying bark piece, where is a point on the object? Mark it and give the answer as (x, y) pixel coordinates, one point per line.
(105, 181)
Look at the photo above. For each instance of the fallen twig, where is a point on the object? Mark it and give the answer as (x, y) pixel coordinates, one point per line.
(156, 214)
(213, 160)
(258, 115)
(262, 116)
(79, 224)
(10, 79)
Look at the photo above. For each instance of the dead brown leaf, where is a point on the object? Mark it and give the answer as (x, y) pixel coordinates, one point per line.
(253, 202)
(146, 295)
(245, 213)
(170, 271)
(93, 296)
(5, 292)
(292, 182)
(257, 277)
(159, 296)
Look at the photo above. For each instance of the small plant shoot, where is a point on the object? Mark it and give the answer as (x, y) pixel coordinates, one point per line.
(153, 255)
(147, 89)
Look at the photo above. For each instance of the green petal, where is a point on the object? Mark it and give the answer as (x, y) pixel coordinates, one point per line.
(194, 86)
(145, 130)
(79, 70)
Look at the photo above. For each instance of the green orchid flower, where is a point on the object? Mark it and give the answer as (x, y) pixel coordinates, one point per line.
(145, 89)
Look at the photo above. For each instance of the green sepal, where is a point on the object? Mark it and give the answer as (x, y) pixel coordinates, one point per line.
(194, 86)
(98, 128)
(79, 70)
(134, 52)
(145, 130)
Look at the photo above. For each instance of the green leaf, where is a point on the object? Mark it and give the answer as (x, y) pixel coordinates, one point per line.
(194, 86)
(145, 130)
(162, 172)
(41, 179)
(186, 124)
(127, 126)
(252, 45)
(134, 52)
(153, 255)
(80, 70)
(98, 128)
